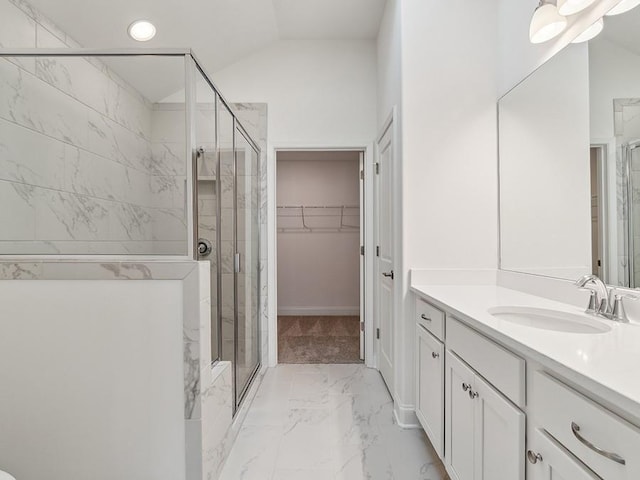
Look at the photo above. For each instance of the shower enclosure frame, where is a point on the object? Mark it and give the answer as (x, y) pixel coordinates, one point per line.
(627, 153)
(191, 66)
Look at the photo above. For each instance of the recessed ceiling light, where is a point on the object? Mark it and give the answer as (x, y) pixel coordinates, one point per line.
(142, 30)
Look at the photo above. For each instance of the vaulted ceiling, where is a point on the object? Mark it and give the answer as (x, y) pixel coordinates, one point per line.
(219, 31)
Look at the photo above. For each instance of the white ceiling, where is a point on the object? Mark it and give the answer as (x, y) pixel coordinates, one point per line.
(220, 32)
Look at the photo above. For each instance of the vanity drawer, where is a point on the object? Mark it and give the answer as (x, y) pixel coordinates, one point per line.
(503, 369)
(584, 427)
(430, 318)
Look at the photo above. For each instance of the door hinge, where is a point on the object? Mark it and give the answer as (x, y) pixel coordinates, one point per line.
(361, 174)
(377, 168)
(362, 326)
(362, 250)
(378, 333)
(378, 251)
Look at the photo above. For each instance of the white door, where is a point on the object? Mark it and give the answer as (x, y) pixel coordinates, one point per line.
(460, 419)
(548, 460)
(430, 386)
(499, 435)
(384, 273)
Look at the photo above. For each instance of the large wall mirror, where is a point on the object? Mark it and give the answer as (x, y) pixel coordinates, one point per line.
(570, 161)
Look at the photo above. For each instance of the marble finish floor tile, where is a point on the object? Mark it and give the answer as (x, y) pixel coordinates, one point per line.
(327, 422)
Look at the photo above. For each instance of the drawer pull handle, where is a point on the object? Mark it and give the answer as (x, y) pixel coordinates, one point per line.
(466, 387)
(435, 355)
(575, 428)
(424, 317)
(533, 457)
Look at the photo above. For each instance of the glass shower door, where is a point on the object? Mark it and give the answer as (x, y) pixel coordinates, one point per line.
(246, 262)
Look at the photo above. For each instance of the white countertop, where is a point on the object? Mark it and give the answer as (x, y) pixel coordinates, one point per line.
(608, 363)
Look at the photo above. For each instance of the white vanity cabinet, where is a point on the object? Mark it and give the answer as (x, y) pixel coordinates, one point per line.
(517, 407)
(430, 372)
(485, 432)
(604, 442)
(430, 386)
(548, 460)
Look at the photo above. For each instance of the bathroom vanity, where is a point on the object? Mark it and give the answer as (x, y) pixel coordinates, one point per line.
(512, 386)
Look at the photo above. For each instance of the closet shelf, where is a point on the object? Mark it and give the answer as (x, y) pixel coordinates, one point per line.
(318, 218)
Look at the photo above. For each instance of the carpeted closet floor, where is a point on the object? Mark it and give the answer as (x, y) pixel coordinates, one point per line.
(318, 339)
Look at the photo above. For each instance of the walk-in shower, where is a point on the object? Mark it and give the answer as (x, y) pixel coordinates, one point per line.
(629, 212)
(133, 154)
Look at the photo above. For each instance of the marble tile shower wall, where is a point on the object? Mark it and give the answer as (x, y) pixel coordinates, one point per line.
(80, 169)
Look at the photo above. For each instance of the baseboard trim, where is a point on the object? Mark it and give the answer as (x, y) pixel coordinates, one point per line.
(405, 416)
(318, 311)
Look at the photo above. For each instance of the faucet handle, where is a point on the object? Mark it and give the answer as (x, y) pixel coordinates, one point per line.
(618, 313)
(593, 302)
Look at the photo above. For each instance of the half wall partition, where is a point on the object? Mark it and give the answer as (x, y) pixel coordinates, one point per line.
(133, 155)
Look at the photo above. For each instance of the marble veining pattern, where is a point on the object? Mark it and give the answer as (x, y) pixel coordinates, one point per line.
(76, 145)
(327, 422)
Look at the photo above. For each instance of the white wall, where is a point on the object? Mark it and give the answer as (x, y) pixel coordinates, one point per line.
(389, 57)
(92, 387)
(318, 272)
(319, 92)
(449, 185)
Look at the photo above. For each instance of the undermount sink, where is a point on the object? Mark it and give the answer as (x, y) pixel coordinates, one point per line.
(554, 320)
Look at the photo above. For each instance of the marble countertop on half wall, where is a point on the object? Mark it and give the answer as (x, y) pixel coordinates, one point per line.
(95, 269)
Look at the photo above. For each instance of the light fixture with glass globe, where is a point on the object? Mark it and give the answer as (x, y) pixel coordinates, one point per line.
(546, 22)
(622, 7)
(570, 7)
(591, 32)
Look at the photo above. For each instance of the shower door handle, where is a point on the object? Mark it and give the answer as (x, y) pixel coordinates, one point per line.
(236, 263)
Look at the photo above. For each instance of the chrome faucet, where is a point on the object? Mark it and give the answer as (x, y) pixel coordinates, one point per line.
(600, 301)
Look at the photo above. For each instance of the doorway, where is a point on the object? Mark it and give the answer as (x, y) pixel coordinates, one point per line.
(320, 234)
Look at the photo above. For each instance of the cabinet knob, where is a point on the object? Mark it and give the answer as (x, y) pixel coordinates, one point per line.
(466, 387)
(533, 457)
(435, 355)
(473, 394)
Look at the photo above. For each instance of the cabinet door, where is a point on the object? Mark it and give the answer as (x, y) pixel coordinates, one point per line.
(554, 461)
(499, 435)
(430, 387)
(460, 419)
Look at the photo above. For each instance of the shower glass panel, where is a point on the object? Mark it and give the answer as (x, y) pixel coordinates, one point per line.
(227, 231)
(207, 189)
(92, 156)
(631, 154)
(133, 153)
(247, 261)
